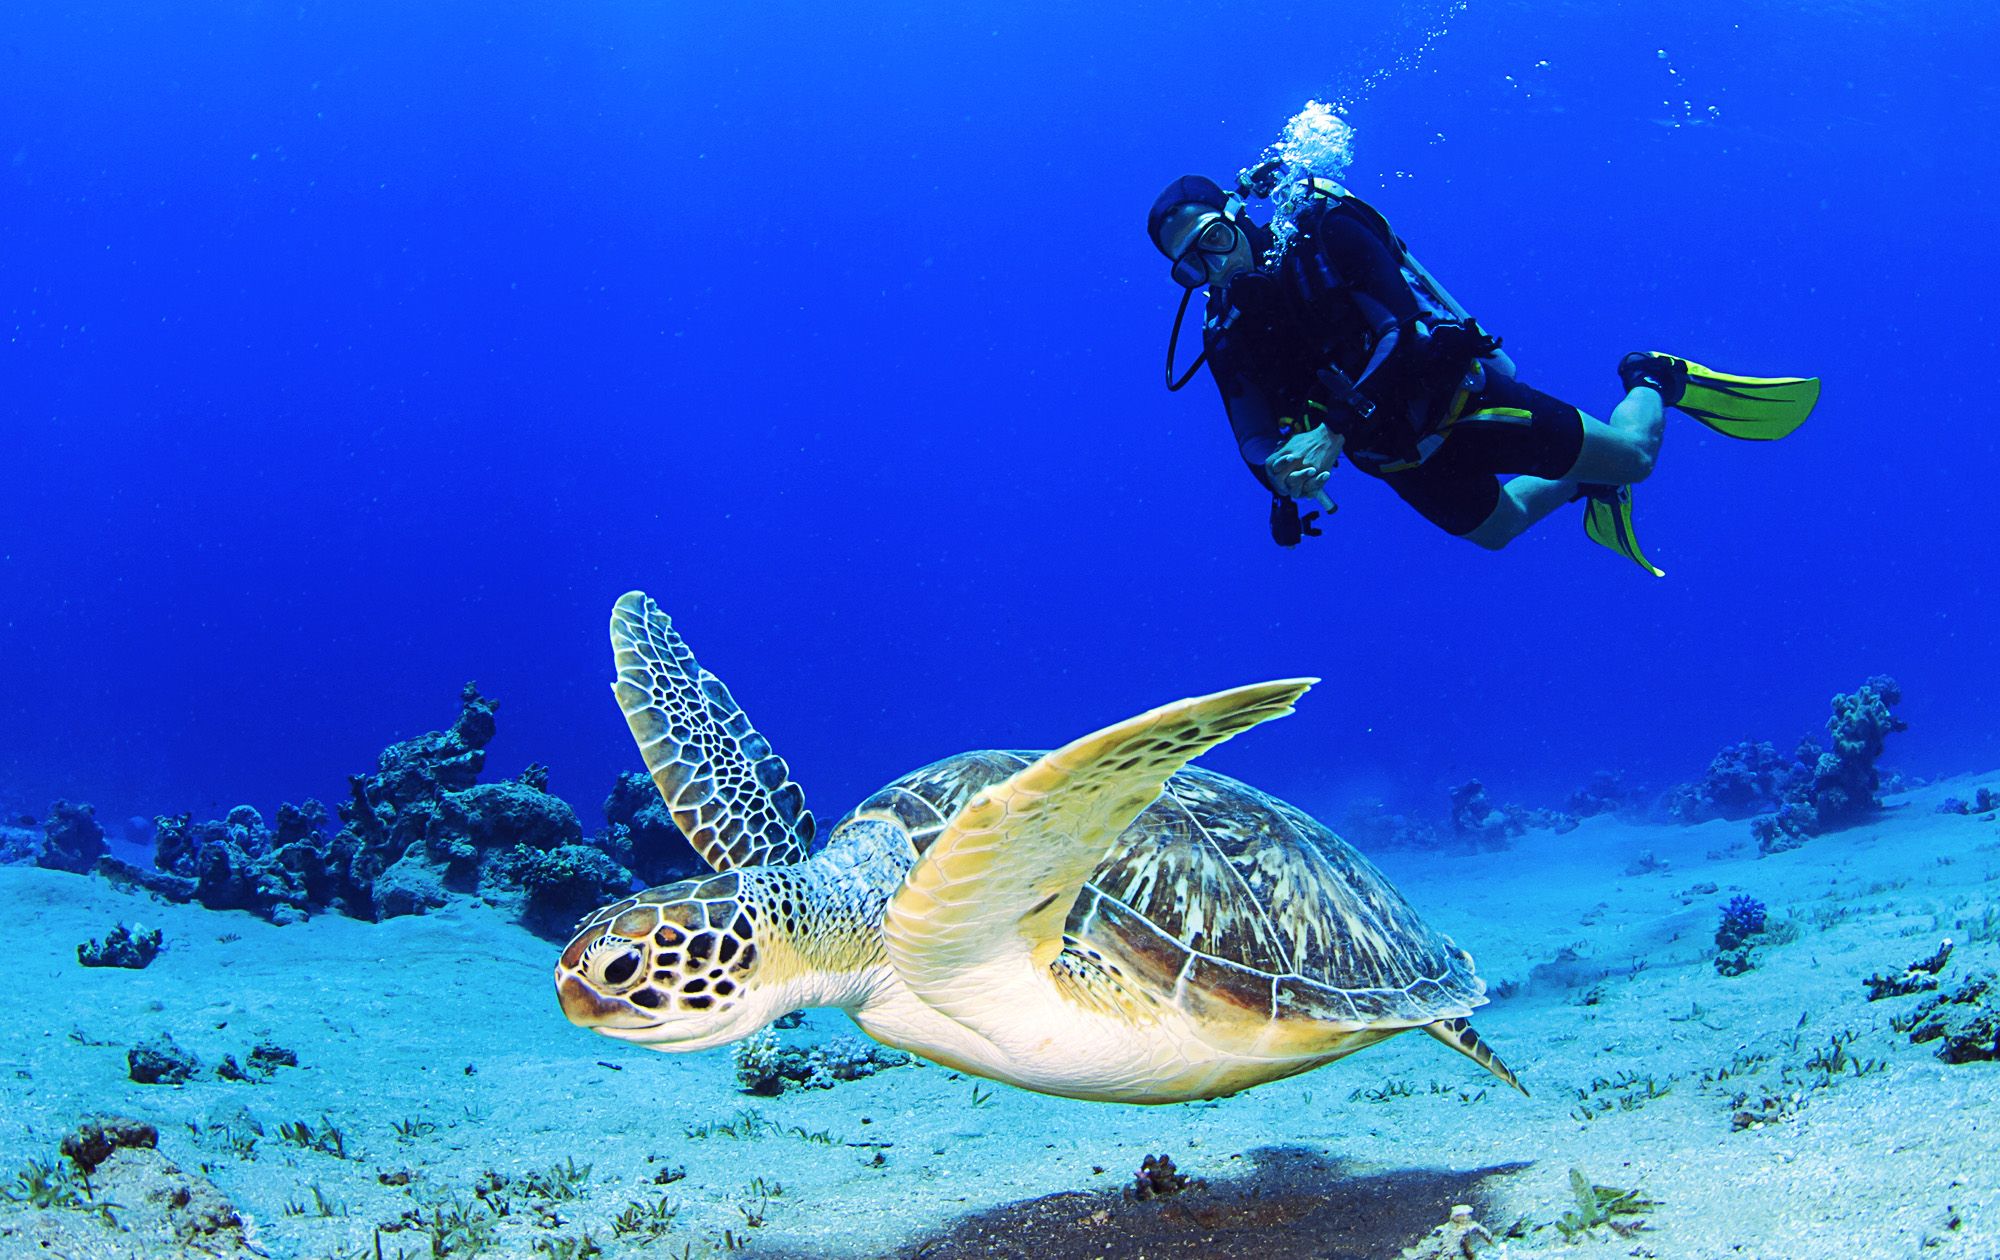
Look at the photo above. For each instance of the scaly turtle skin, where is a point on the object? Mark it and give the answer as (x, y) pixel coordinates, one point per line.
(1097, 921)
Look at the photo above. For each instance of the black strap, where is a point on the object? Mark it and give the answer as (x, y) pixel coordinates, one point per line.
(1340, 390)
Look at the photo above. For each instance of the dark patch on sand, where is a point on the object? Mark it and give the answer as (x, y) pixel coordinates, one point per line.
(1293, 1204)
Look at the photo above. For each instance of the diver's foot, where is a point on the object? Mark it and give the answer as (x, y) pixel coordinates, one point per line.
(1660, 372)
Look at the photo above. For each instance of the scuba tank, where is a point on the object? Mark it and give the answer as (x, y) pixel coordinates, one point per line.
(1438, 357)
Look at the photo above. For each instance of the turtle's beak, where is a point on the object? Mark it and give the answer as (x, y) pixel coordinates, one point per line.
(587, 1008)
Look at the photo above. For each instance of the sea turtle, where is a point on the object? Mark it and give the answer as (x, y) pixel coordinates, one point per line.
(1098, 922)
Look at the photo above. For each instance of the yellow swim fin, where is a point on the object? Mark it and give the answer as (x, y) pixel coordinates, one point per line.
(1754, 408)
(1607, 518)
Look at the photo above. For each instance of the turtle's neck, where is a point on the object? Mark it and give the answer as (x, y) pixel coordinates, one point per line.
(839, 895)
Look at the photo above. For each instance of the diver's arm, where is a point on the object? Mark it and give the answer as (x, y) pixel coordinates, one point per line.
(1296, 467)
(1253, 420)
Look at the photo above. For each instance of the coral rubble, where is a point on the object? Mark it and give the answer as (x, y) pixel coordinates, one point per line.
(91, 1143)
(160, 1060)
(1919, 977)
(766, 1067)
(133, 947)
(261, 1064)
(1964, 1022)
(1157, 1178)
(1461, 1237)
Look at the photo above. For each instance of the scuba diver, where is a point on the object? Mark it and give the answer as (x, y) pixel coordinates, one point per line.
(1327, 338)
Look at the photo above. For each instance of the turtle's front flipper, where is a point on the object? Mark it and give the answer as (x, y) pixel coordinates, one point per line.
(731, 796)
(988, 899)
(1458, 1034)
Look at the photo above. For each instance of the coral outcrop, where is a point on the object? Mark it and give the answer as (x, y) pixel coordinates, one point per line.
(285, 874)
(114, 1194)
(1985, 802)
(642, 833)
(20, 840)
(1157, 1178)
(1836, 787)
(1743, 922)
(71, 839)
(1605, 794)
(560, 884)
(1742, 781)
(1369, 824)
(416, 831)
(1812, 790)
(1474, 817)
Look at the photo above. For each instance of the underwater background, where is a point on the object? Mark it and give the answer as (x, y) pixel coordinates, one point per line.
(354, 351)
(357, 350)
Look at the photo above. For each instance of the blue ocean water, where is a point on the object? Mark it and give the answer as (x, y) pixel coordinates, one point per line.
(355, 350)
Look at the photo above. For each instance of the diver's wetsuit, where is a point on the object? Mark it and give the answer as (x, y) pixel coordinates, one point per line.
(1336, 297)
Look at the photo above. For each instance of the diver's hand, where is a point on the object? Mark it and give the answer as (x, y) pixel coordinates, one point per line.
(1299, 469)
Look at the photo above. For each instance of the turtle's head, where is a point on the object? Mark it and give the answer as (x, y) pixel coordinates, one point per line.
(679, 967)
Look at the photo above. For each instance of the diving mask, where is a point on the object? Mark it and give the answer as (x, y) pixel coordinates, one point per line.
(1215, 238)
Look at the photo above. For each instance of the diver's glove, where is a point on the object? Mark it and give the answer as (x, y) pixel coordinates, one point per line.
(1299, 468)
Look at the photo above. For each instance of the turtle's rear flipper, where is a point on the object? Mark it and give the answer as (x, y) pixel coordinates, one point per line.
(1458, 1034)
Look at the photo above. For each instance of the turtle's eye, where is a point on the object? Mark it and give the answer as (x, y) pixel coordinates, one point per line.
(615, 970)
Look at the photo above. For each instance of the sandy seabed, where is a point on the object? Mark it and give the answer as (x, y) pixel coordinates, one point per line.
(435, 1047)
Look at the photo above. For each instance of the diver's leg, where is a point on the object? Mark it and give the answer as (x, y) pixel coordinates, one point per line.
(1450, 492)
(1623, 452)
(1523, 501)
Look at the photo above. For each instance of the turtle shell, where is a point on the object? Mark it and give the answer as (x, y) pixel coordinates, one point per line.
(1226, 893)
